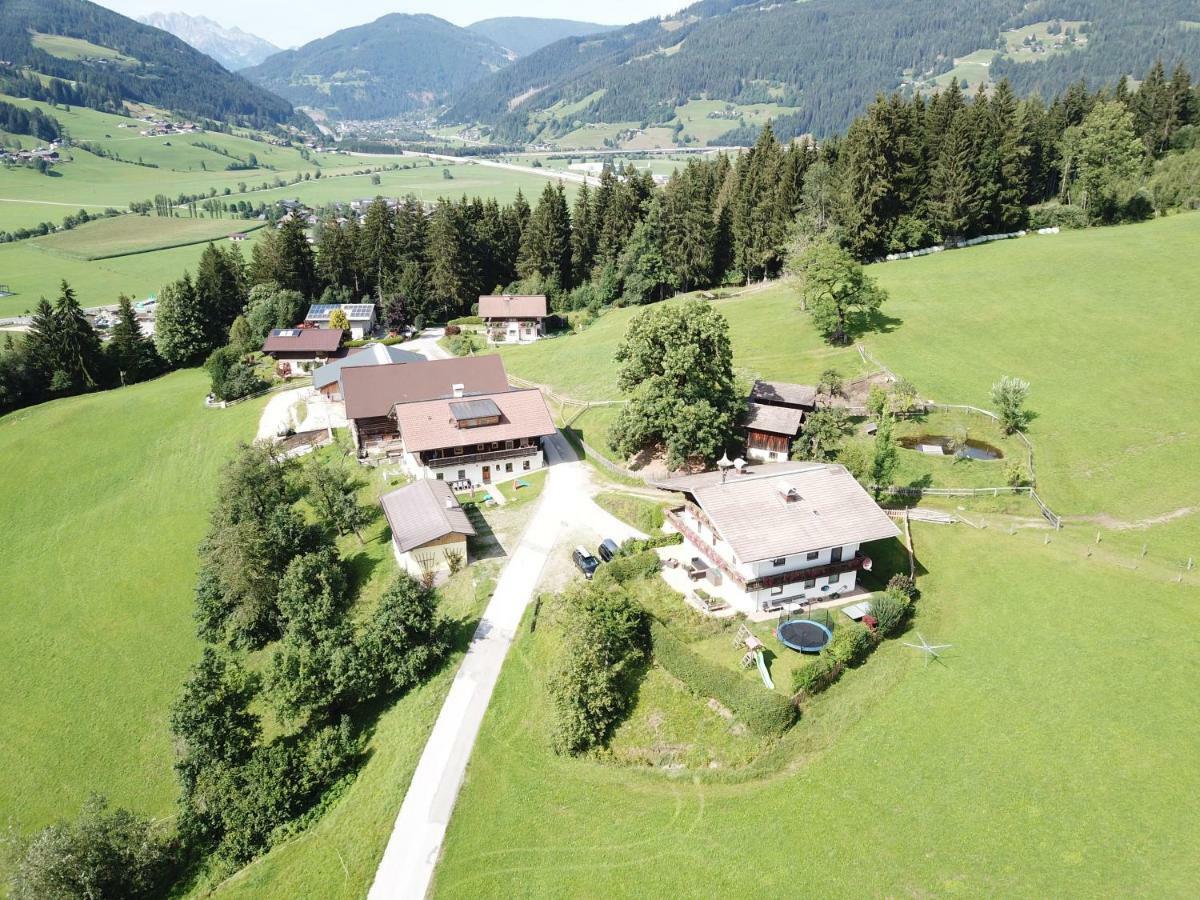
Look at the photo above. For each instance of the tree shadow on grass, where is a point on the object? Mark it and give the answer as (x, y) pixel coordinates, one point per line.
(878, 322)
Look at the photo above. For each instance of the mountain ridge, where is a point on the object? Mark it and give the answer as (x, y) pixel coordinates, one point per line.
(400, 63)
(527, 34)
(232, 47)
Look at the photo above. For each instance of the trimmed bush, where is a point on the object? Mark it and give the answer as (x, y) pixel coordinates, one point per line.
(452, 330)
(817, 675)
(889, 610)
(764, 712)
(851, 644)
(598, 666)
(626, 567)
(904, 586)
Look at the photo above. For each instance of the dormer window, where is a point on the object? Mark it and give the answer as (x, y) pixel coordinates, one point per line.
(475, 413)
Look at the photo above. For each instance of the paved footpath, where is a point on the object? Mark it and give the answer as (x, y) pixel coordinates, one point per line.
(406, 869)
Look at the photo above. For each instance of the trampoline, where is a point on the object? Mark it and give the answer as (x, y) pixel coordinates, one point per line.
(803, 635)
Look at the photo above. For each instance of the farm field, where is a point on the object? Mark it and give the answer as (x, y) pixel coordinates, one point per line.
(32, 271)
(696, 122)
(126, 235)
(979, 780)
(106, 498)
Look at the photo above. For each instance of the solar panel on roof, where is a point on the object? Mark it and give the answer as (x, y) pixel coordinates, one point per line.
(359, 310)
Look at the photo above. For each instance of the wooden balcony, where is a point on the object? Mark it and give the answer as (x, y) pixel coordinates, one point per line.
(451, 460)
(677, 518)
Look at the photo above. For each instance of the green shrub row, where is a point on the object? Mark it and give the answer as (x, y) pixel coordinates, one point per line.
(764, 712)
(625, 568)
(817, 675)
(640, 545)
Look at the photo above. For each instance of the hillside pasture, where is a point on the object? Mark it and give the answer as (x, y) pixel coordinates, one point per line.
(106, 498)
(1015, 768)
(130, 234)
(65, 47)
(1101, 323)
(32, 271)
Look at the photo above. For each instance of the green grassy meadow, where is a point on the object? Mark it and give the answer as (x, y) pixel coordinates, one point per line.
(106, 498)
(127, 235)
(1045, 758)
(1100, 322)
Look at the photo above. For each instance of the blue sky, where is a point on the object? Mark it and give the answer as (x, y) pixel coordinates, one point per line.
(293, 22)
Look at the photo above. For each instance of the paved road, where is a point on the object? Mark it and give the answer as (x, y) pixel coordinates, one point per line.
(406, 869)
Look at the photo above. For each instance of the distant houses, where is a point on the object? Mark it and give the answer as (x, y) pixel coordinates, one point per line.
(513, 319)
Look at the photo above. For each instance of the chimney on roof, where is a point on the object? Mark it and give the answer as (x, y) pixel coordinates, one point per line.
(457, 390)
(449, 503)
(790, 494)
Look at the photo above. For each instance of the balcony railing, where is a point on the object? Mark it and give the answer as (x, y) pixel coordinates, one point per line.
(766, 581)
(450, 460)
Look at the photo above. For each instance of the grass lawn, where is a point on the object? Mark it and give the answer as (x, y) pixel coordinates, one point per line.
(1056, 740)
(642, 513)
(771, 339)
(31, 271)
(1109, 352)
(106, 499)
(126, 235)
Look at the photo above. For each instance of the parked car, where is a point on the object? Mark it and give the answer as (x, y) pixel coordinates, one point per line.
(585, 562)
(608, 549)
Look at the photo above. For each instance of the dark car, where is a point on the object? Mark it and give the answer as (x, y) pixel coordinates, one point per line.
(585, 562)
(608, 549)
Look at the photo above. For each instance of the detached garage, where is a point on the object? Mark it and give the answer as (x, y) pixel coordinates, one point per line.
(429, 527)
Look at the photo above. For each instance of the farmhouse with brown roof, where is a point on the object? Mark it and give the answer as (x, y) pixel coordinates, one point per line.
(777, 534)
(480, 439)
(512, 319)
(370, 393)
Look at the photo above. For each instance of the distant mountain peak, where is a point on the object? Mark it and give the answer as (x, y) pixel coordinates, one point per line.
(231, 47)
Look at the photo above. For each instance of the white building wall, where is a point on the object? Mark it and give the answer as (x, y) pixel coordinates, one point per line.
(765, 455)
(474, 471)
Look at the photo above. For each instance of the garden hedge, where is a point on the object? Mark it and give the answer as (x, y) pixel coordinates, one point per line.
(763, 711)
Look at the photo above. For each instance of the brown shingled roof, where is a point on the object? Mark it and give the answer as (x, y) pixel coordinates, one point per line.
(774, 393)
(303, 340)
(374, 390)
(422, 512)
(431, 425)
(510, 306)
(773, 419)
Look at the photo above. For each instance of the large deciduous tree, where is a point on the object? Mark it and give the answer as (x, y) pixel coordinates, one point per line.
(838, 293)
(676, 362)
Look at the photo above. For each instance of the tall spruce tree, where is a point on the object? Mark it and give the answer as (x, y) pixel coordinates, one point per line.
(546, 243)
(130, 352)
(79, 362)
(183, 329)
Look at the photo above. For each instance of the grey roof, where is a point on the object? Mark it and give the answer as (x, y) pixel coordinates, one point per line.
(774, 393)
(773, 419)
(483, 408)
(751, 511)
(422, 512)
(370, 355)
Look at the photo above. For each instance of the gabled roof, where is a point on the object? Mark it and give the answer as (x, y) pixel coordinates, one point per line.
(370, 355)
(320, 312)
(512, 306)
(422, 512)
(374, 390)
(773, 419)
(753, 514)
(775, 393)
(431, 425)
(303, 340)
